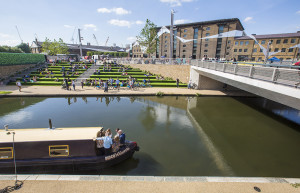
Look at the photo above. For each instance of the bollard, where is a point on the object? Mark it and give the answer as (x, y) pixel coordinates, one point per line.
(6, 127)
(50, 124)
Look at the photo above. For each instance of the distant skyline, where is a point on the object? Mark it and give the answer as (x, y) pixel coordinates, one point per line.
(122, 20)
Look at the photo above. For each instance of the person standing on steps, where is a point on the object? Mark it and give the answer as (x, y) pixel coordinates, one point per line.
(19, 85)
(177, 83)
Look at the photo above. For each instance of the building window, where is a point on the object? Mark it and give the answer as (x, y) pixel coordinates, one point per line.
(235, 50)
(166, 41)
(236, 43)
(206, 39)
(206, 45)
(229, 41)
(165, 50)
(184, 45)
(58, 150)
(183, 50)
(221, 29)
(293, 41)
(185, 30)
(205, 50)
(240, 50)
(6, 153)
(245, 50)
(278, 41)
(208, 28)
(166, 37)
(246, 43)
(184, 35)
(285, 41)
(207, 34)
(255, 50)
(241, 43)
(260, 50)
(276, 50)
(283, 49)
(166, 46)
(291, 49)
(263, 41)
(183, 56)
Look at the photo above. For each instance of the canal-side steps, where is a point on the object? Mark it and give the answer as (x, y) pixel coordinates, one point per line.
(52, 75)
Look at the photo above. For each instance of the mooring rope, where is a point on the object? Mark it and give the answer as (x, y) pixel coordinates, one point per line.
(8, 189)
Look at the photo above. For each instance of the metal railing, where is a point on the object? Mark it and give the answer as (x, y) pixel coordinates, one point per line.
(278, 75)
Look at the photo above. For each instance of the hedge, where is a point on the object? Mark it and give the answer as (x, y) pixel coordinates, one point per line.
(7, 59)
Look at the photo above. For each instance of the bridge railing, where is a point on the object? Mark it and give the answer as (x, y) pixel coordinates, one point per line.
(284, 76)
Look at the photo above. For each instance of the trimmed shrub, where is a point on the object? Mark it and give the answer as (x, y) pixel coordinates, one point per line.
(7, 59)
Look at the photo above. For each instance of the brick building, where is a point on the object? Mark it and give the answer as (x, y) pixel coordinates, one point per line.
(245, 48)
(199, 48)
(136, 51)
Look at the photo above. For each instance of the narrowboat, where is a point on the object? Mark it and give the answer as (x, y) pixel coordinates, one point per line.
(56, 150)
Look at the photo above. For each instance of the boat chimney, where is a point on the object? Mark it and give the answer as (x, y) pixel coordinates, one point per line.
(50, 124)
(6, 127)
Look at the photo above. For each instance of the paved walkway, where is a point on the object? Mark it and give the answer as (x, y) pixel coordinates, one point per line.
(91, 91)
(151, 184)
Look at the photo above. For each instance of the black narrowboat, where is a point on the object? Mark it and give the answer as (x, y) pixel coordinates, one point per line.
(56, 150)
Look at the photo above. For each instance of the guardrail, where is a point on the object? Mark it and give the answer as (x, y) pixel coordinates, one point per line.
(278, 75)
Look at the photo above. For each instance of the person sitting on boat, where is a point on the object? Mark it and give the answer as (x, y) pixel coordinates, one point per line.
(122, 138)
(109, 132)
(116, 144)
(107, 142)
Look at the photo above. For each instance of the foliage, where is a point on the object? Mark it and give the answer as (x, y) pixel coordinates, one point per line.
(113, 54)
(55, 47)
(296, 185)
(159, 93)
(10, 49)
(20, 58)
(198, 94)
(148, 37)
(24, 47)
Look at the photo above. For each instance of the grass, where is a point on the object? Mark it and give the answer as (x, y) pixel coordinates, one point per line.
(5, 92)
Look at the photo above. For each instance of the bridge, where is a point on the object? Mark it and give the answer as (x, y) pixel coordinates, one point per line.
(274, 83)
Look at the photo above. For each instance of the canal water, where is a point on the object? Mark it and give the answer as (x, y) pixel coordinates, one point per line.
(178, 136)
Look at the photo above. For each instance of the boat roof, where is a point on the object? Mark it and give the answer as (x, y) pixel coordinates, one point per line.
(45, 134)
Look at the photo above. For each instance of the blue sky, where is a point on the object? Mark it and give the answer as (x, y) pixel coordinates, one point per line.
(122, 20)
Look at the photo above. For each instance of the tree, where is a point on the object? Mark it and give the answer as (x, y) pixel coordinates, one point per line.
(24, 47)
(10, 49)
(55, 47)
(148, 37)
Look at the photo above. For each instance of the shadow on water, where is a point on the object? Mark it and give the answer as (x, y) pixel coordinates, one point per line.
(284, 114)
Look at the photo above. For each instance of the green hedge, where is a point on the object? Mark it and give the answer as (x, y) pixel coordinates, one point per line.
(7, 59)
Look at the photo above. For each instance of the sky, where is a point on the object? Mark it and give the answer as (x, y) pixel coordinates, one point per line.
(122, 20)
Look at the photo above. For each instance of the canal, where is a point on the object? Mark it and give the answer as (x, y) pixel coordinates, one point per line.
(178, 136)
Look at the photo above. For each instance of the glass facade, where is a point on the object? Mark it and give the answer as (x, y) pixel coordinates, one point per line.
(196, 30)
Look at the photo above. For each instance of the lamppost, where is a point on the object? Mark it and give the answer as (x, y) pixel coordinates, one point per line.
(171, 35)
(14, 155)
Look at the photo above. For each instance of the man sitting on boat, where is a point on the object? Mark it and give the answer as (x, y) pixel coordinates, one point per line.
(122, 138)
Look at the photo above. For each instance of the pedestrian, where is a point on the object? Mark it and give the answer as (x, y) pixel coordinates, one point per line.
(82, 83)
(67, 84)
(177, 83)
(190, 84)
(105, 86)
(73, 84)
(19, 85)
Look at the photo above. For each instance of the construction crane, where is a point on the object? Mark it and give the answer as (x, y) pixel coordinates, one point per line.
(95, 39)
(19, 34)
(72, 39)
(106, 41)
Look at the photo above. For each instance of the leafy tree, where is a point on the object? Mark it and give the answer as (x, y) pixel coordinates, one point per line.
(148, 37)
(10, 49)
(55, 47)
(24, 47)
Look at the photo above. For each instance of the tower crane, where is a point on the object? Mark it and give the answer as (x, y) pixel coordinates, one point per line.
(95, 39)
(106, 41)
(19, 34)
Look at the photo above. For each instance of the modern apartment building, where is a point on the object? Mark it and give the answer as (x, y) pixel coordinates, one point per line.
(245, 48)
(199, 48)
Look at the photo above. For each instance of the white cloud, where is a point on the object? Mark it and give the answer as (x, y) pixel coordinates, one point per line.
(175, 3)
(139, 22)
(90, 26)
(69, 26)
(118, 11)
(298, 12)
(10, 42)
(181, 21)
(249, 20)
(131, 39)
(124, 23)
(2, 35)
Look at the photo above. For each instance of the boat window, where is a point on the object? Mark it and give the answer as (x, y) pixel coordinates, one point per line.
(58, 150)
(6, 153)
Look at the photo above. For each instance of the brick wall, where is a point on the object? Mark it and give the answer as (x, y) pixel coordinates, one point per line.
(173, 71)
(7, 71)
